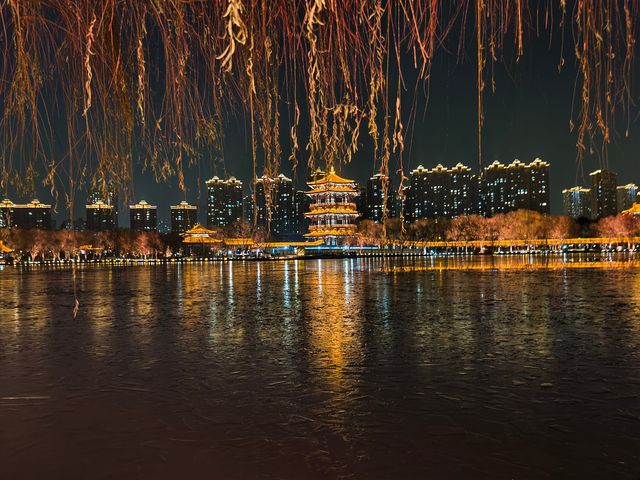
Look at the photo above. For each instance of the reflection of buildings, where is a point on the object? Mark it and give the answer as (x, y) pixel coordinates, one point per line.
(100, 216)
(332, 212)
(626, 196)
(143, 217)
(183, 217)
(224, 202)
(27, 215)
(604, 202)
(576, 202)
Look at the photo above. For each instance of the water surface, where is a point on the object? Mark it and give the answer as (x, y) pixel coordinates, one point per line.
(515, 367)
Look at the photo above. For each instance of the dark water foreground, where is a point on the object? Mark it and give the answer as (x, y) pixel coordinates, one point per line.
(322, 369)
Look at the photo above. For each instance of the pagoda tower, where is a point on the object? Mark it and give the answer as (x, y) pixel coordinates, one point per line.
(332, 212)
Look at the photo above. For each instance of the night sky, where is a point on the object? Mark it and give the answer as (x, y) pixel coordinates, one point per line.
(527, 117)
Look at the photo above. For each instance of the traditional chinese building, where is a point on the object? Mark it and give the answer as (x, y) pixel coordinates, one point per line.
(332, 212)
(199, 236)
(634, 210)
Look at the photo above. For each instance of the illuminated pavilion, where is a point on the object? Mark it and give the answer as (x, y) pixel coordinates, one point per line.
(332, 212)
(4, 249)
(199, 235)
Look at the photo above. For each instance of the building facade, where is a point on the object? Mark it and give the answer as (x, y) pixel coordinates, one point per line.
(376, 195)
(224, 202)
(576, 202)
(100, 216)
(27, 215)
(626, 196)
(538, 184)
(302, 202)
(108, 197)
(143, 217)
(441, 192)
(247, 209)
(183, 217)
(604, 199)
(506, 188)
(276, 207)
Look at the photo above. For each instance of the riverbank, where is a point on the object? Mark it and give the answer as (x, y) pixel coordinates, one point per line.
(458, 256)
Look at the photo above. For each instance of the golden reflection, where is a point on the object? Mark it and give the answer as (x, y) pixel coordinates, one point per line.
(634, 291)
(98, 306)
(335, 324)
(513, 263)
(141, 301)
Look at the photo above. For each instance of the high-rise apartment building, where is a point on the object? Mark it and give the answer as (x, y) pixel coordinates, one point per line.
(604, 200)
(27, 215)
(224, 202)
(441, 192)
(626, 196)
(539, 193)
(107, 197)
(377, 193)
(276, 206)
(247, 209)
(143, 217)
(183, 217)
(100, 216)
(302, 202)
(505, 188)
(576, 202)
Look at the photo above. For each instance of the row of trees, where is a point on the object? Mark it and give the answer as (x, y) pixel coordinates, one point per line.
(521, 224)
(518, 225)
(68, 244)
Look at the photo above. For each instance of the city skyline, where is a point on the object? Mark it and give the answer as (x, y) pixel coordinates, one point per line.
(96, 212)
(165, 195)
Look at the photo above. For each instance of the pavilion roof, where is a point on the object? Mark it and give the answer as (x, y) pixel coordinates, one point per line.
(335, 188)
(198, 229)
(331, 177)
(333, 232)
(337, 210)
(634, 210)
(201, 239)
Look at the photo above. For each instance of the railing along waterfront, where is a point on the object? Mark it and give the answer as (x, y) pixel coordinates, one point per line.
(540, 242)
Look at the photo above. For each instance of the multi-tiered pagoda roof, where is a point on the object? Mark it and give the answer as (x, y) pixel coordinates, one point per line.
(332, 211)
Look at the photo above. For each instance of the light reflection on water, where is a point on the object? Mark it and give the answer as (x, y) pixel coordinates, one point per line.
(504, 367)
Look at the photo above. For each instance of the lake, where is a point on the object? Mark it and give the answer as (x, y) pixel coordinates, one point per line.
(483, 367)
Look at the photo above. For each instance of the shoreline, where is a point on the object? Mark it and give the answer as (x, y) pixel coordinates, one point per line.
(468, 257)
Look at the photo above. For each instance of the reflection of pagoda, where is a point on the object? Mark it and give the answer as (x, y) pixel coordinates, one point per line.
(332, 213)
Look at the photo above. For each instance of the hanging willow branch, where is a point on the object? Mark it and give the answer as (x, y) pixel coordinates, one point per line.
(156, 81)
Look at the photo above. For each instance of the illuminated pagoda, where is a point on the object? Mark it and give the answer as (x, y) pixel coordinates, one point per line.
(332, 212)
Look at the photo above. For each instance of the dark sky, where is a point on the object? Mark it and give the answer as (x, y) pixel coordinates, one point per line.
(527, 117)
